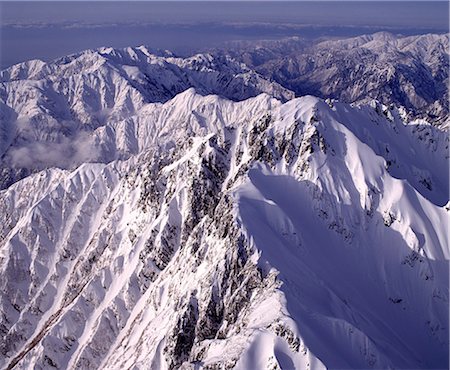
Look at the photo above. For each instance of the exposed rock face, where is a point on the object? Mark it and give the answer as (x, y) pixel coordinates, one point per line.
(411, 72)
(249, 234)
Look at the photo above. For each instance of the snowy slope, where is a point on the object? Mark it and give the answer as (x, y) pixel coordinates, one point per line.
(250, 234)
(410, 71)
(61, 113)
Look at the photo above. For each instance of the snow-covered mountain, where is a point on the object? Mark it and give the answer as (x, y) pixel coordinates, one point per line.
(66, 112)
(251, 235)
(55, 113)
(411, 71)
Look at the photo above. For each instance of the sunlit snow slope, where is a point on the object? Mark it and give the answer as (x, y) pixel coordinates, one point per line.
(79, 108)
(248, 235)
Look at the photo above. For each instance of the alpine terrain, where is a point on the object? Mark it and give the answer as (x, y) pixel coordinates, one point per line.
(411, 71)
(161, 212)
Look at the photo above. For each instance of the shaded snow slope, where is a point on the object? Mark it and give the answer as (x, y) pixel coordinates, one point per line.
(249, 234)
(411, 71)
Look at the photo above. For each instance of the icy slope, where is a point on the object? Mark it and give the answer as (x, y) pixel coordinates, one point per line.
(62, 113)
(247, 234)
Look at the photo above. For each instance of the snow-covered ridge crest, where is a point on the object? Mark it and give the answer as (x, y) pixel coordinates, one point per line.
(147, 70)
(67, 107)
(411, 71)
(191, 114)
(65, 112)
(236, 235)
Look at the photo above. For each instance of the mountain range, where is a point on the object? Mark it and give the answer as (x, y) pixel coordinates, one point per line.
(411, 72)
(166, 212)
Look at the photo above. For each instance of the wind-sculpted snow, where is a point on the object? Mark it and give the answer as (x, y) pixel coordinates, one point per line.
(411, 72)
(249, 234)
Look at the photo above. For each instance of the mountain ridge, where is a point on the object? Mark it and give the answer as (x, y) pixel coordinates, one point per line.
(406, 71)
(188, 254)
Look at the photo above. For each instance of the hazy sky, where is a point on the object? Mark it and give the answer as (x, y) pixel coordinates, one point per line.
(47, 30)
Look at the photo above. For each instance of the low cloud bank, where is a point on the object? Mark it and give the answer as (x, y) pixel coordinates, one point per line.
(66, 153)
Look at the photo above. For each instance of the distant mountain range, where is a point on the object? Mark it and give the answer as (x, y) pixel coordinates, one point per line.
(411, 72)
